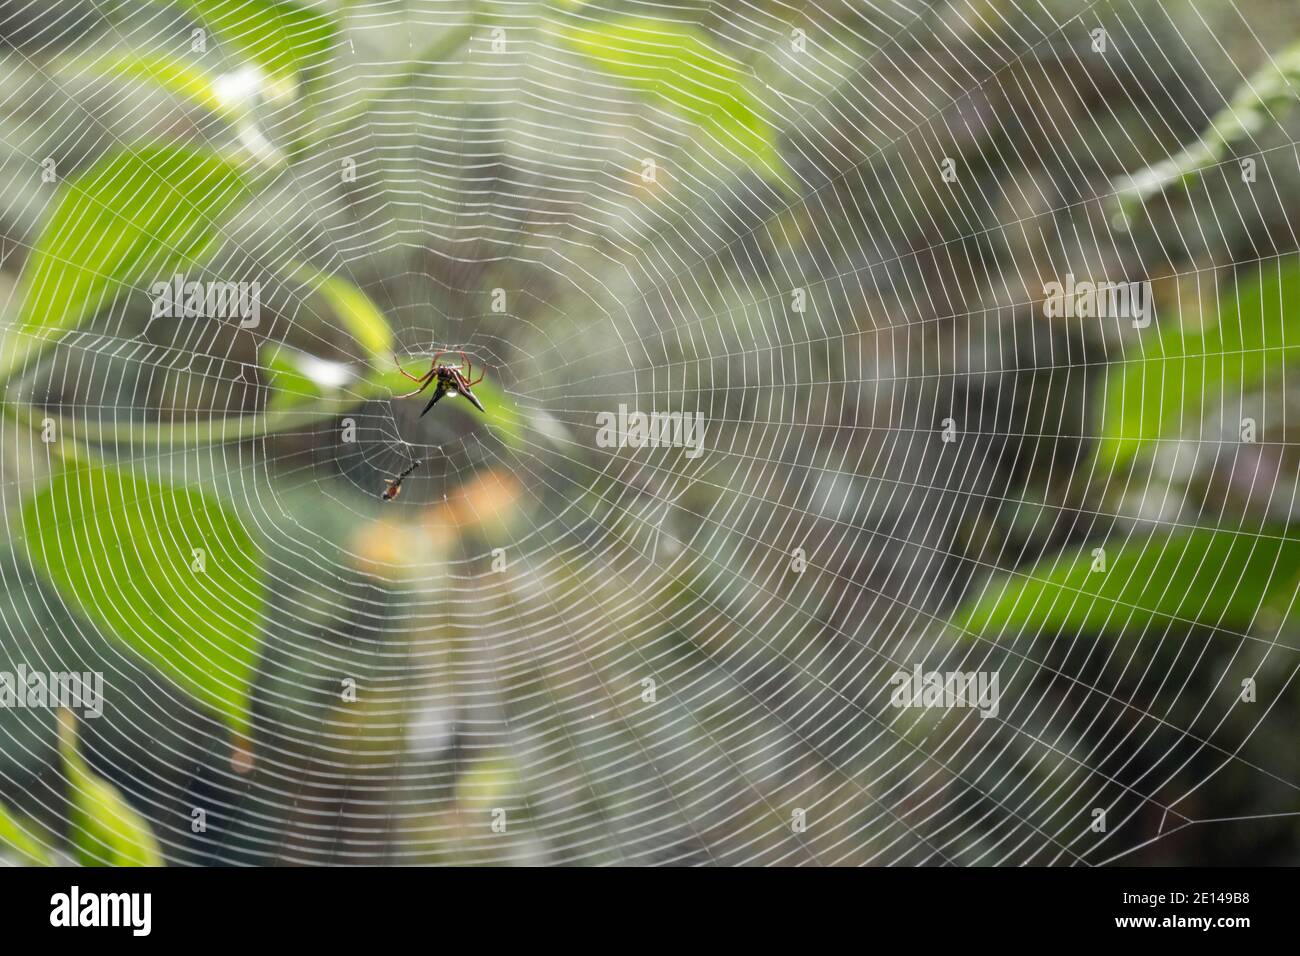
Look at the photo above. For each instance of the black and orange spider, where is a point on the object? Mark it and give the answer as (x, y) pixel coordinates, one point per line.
(451, 380)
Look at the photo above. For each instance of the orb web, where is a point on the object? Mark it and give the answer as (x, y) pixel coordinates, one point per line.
(831, 239)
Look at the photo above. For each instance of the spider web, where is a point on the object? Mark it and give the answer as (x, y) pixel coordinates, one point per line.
(566, 652)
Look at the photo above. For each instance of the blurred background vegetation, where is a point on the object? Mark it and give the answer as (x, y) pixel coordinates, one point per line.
(381, 169)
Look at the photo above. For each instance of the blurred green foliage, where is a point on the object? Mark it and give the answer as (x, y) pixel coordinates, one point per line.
(678, 67)
(285, 39)
(104, 829)
(354, 310)
(132, 215)
(97, 534)
(1215, 579)
(16, 835)
(1179, 377)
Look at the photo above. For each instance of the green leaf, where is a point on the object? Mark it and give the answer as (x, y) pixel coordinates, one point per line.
(1253, 108)
(182, 78)
(18, 836)
(1203, 576)
(1178, 378)
(284, 39)
(133, 216)
(120, 549)
(232, 96)
(104, 829)
(677, 66)
(289, 383)
(362, 318)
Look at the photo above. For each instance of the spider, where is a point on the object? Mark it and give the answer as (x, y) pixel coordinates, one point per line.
(450, 379)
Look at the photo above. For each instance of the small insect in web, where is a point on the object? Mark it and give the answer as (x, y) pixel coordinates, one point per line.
(450, 379)
(395, 484)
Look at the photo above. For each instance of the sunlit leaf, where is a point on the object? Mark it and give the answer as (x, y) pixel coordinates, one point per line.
(284, 39)
(183, 78)
(134, 216)
(1172, 379)
(288, 383)
(232, 95)
(121, 549)
(1253, 108)
(358, 313)
(104, 829)
(677, 66)
(17, 835)
(1202, 576)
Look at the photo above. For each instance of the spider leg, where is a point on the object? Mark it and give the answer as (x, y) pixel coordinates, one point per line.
(413, 378)
(415, 392)
(470, 380)
(424, 379)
